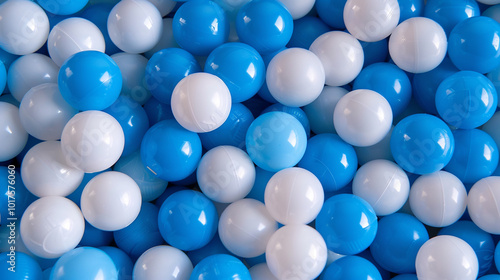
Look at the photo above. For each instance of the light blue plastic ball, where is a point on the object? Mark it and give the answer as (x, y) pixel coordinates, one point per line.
(62, 7)
(218, 267)
(297, 112)
(19, 266)
(448, 13)
(122, 261)
(351, 267)
(84, 263)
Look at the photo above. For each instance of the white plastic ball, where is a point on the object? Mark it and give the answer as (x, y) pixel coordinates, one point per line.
(24, 27)
(201, 102)
(418, 45)
(52, 226)
(226, 174)
(164, 6)
(438, 199)
(71, 36)
(483, 204)
(446, 257)
(341, 55)
(133, 69)
(92, 141)
(44, 112)
(162, 262)
(383, 184)
(245, 227)
(45, 172)
(371, 20)
(298, 9)
(12, 132)
(320, 111)
(362, 117)
(296, 252)
(135, 26)
(111, 201)
(261, 272)
(294, 196)
(295, 77)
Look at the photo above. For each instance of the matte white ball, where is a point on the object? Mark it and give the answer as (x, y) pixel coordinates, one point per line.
(483, 204)
(201, 102)
(295, 77)
(135, 26)
(245, 227)
(45, 172)
(164, 6)
(44, 112)
(92, 141)
(71, 36)
(133, 69)
(341, 55)
(261, 272)
(298, 9)
(24, 27)
(438, 199)
(383, 184)
(371, 20)
(362, 117)
(418, 45)
(296, 252)
(52, 226)
(320, 111)
(163, 262)
(111, 201)
(294, 196)
(226, 174)
(12, 132)
(446, 257)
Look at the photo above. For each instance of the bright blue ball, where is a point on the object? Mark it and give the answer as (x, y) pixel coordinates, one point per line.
(62, 7)
(258, 190)
(331, 12)
(275, 141)
(347, 223)
(497, 256)
(200, 26)
(331, 159)
(375, 51)
(305, 31)
(188, 220)
(167, 193)
(448, 13)
(473, 44)
(399, 237)
(15, 193)
(367, 255)
(26, 268)
(422, 144)
(214, 247)
(165, 69)
(297, 112)
(98, 14)
(265, 25)
(351, 267)
(490, 277)
(122, 261)
(388, 80)
(94, 237)
(3, 77)
(90, 80)
(170, 151)
(410, 8)
(240, 67)
(84, 263)
(466, 99)
(157, 111)
(405, 277)
(221, 266)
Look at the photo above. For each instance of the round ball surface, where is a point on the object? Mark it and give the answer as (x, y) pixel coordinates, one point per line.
(298, 9)
(3, 77)
(162, 261)
(62, 7)
(27, 266)
(261, 271)
(351, 267)
(449, 13)
(220, 266)
(84, 263)
(14, 136)
(133, 66)
(482, 204)
(320, 111)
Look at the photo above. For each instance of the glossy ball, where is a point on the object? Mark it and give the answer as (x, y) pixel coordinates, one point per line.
(362, 117)
(347, 223)
(84, 263)
(61, 7)
(122, 261)
(214, 247)
(449, 13)
(491, 126)
(320, 111)
(163, 261)
(351, 267)
(167, 39)
(418, 45)
(25, 266)
(381, 150)
(51, 226)
(331, 12)
(306, 30)
(482, 204)
(297, 112)
(157, 111)
(261, 271)
(497, 256)
(3, 77)
(164, 6)
(298, 9)
(410, 8)
(14, 136)
(98, 13)
(220, 266)
(132, 67)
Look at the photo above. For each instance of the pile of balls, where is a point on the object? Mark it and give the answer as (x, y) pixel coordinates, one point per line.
(249, 139)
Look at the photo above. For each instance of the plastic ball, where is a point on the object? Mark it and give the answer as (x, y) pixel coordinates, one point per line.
(12, 132)
(362, 117)
(122, 261)
(52, 226)
(410, 8)
(214, 247)
(261, 271)
(438, 199)
(200, 26)
(164, 6)
(351, 267)
(18, 265)
(446, 257)
(84, 263)
(24, 27)
(492, 12)
(157, 111)
(163, 261)
(111, 201)
(297, 112)
(258, 190)
(448, 13)
(220, 266)
(95, 237)
(422, 144)
(482, 204)
(375, 52)
(341, 55)
(62, 7)
(381, 150)
(98, 13)
(347, 223)
(298, 9)
(135, 26)
(296, 251)
(405, 277)
(92, 141)
(369, 20)
(331, 12)
(320, 111)
(418, 45)
(132, 68)
(188, 220)
(490, 277)
(3, 77)
(306, 30)
(497, 256)
(266, 25)
(491, 126)
(295, 77)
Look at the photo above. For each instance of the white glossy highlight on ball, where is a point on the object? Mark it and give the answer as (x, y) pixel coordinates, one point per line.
(483, 204)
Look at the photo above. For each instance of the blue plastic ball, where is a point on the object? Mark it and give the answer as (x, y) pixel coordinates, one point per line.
(367, 255)
(275, 141)
(347, 223)
(170, 151)
(98, 14)
(351, 267)
(262, 177)
(122, 261)
(410, 8)
(331, 12)
(221, 266)
(157, 111)
(265, 25)
(94, 237)
(188, 220)
(3, 77)
(90, 80)
(62, 7)
(422, 144)
(84, 263)
(448, 13)
(473, 44)
(19, 266)
(13, 191)
(165, 69)
(305, 31)
(168, 192)
(240, 67)
(375, 51)
(297, 112)
(405, 277)
(214, 247)
(200, 26)
(490, 277)
(497, 256)
(331, 159)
